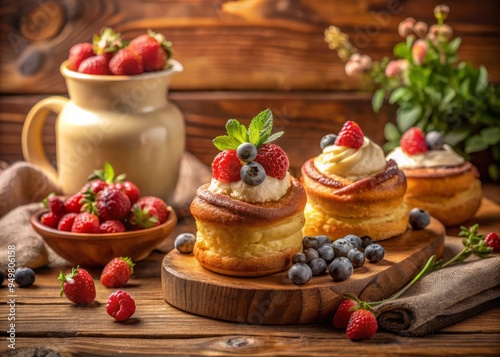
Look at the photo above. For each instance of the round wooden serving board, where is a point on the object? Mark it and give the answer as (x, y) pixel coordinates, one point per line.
(275, 300)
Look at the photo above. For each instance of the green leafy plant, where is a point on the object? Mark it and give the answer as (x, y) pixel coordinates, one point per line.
(430, 87)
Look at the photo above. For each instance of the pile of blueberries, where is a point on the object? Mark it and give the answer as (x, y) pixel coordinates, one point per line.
(340, 258)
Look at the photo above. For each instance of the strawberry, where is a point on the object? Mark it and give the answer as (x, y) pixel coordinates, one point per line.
(125, 63)
(78, 286)
(274, 160)
(362, 325)
(112, 226)
(112, 204)
(152, 49)
(226, 166)
(117, 272)
(66, 222)
(74, 203)
(50, 219)
(98, 65)
(350, 135)
(79, 53)
(413, 142)
(130, 189)
(55, 204)
(148, 212)
(95, 186)
(108, 41)
(120, 305)
(343, 314)
(492, 240)
(86, 223)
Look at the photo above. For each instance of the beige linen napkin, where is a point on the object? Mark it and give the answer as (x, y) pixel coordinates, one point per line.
(444, 297)
(23, 187)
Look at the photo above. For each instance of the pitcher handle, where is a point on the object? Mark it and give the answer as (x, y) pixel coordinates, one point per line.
(32, 144)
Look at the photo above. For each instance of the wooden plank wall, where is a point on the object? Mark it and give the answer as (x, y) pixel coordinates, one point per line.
(239, 57)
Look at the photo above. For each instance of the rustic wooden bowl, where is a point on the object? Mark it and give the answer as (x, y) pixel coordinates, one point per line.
(96, 250)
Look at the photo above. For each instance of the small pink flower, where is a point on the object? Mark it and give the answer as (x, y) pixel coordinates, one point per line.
(420, 29)
(405, 28)
(403, 64)
(392, 69)
(353, 69)
(419, 51)
(366, 62)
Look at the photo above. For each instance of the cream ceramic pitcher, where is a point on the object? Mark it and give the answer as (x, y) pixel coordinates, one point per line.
(124, 120)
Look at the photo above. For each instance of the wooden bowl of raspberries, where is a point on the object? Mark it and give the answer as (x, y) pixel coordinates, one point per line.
(107, 218)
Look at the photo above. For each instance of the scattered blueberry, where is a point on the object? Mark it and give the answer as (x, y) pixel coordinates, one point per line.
(356, 257)
(318, 266)
(184, 242)
(419, 219)
(299, 273)
(310, 242)
(326, 253)
(366, 241)
(246, 152)
(24, 276)
(2, 277)
(340, 269)
(327, 140)
(310, 254)
(322, 240)
(252, 173)
(341, 247)
(299, 258)
(434, 140)
(374, 253)
(354, 240)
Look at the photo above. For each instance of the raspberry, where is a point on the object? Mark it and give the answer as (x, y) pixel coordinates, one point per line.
(413, 142)
(120, 305)
(226, 166)
(362, 325)
(350, 135)
(493, 241)
(274, 160)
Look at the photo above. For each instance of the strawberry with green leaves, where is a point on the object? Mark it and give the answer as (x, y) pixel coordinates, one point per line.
(117, 272)
(147, 212)
(247, 154)
(106, 177)
(153, 50)
(78, 286)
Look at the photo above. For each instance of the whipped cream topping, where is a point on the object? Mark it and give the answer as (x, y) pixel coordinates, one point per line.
(352, 164)
(432, 158)
(271, 189)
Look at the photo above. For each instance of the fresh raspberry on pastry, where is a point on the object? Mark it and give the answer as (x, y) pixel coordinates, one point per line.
(439, 180)
(352, 189)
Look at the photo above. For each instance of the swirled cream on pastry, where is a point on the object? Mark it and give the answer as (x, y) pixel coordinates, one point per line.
(432, 158)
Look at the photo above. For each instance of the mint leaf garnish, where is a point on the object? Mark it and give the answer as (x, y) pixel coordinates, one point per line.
(258, 132)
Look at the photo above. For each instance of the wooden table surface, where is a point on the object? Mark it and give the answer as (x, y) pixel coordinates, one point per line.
(48, 325)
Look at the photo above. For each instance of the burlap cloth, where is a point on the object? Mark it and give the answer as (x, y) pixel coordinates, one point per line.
(444, 297)
(437, 300)
(22, 188)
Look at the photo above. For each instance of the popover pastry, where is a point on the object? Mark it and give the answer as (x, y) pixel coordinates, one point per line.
(439, 180)
(352, 189)
(249, 218)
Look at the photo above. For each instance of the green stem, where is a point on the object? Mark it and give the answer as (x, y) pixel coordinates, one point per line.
(464, 253)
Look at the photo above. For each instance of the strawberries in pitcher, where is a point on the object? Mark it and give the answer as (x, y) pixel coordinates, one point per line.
(108, 54)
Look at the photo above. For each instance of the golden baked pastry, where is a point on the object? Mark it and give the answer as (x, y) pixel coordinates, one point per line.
(439, 180)
(352, 189)
(244, 239)
(249, 218)
(372, 206)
